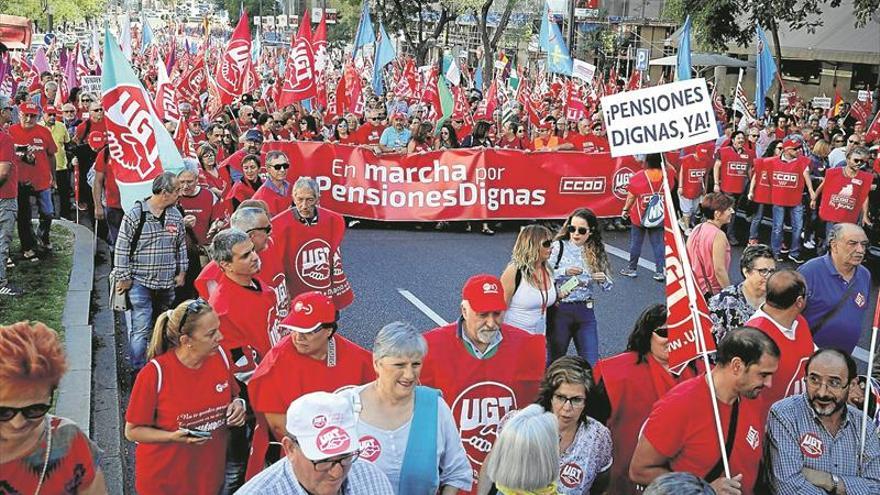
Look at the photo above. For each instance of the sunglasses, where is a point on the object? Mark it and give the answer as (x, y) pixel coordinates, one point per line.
(98, 110)
(458, 122)
(859, 161)
(580, 230)
(267, 229)
(546, 243)
(193, 307)
(86, 100)
(279, 166)
(33, 411)
(662, 332)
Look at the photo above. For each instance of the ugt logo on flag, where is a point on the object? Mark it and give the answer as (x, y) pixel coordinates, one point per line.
(130, 135)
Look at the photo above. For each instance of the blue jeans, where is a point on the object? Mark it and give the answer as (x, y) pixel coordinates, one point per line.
(797, 224)
(756, 221)
(637, 238)
(573, 321)
(146, 304)
(46, 210)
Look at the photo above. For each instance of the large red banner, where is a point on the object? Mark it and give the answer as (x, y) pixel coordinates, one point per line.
(461, 184)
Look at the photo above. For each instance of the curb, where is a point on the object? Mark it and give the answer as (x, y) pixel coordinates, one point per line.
(75, 390)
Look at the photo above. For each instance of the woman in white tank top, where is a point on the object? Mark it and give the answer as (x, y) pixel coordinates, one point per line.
(528, 280)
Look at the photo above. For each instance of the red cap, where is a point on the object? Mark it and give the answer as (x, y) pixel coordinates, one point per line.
(484, 293)
(29, 107)
(308, 311)
(97, 140)
(51, 110)
(791, 143)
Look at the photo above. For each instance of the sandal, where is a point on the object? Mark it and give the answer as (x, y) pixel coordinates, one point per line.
(487, 231)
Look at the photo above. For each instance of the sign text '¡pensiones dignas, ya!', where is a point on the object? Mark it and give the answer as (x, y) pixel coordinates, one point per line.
(655, 104)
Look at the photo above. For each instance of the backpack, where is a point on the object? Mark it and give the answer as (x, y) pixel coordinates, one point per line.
(654, 214)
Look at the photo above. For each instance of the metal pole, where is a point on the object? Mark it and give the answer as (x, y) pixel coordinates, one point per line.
(571, 4)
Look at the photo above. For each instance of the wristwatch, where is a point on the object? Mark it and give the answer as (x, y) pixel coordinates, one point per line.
(835, 483)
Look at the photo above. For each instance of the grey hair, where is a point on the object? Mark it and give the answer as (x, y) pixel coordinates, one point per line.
(858, 150)
(246, 218)
(679, 483)
(52, 84)
(164, 183)
(221, 247)
(306, 182)
(837, 229)
(526, 454)
(190, 165)
(273, 155)
(399, 339)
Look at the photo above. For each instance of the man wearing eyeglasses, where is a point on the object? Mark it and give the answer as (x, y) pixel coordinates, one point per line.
(371, 131)
(837, 157)
(275, 191)
(312, 357)
(780, 319)
(813, 438)
(321, 448)
(839, 289)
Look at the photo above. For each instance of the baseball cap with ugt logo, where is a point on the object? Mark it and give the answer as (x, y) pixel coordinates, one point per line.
(791, 143)
(28, 107)
(484, 293)
(308, 311)
(324, 425)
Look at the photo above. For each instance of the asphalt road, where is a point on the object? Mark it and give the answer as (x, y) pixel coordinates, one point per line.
(399, 273)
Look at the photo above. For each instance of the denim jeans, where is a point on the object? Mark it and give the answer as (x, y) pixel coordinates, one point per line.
(146, 304)
(756, 221)
(25, 227)
(8, 207)
(573, 321)
(797, 224)
(113, 217)
(637, 238)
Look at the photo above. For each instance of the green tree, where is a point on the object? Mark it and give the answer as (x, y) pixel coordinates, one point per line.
(62, 10)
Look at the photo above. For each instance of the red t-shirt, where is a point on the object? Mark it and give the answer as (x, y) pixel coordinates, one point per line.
(681, 426)
(38, 174)
(95, 128)
(763, 192)
(9, 189)
(72, 467)
(596, 144)
(233, 161)
(642, 189)
(206, 208)
(577, 140)
(271, 272)
(734, 169)
(694, 171)
(794, 353)
(221, 181)
(248, 316)
(276, 202)
(369, 134)
(787, 180)
(111, 188)
(842, 196)
(167, 395)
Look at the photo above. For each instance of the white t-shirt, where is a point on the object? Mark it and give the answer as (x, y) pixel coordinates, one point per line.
(386, 448)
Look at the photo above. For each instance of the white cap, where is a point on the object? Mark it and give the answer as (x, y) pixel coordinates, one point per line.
(323, 424)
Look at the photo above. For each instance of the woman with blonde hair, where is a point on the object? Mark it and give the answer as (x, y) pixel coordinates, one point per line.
(579, 260)
(182, 403)
(525, 458)
(528, 280)
(40, 452)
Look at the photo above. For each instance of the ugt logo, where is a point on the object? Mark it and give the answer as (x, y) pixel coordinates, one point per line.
(130, 135)
(234, 63)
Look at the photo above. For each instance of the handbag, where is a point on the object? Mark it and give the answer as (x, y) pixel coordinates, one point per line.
(117, 301)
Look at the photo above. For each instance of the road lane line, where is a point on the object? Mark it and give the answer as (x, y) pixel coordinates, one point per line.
(620, 253)
(422, 307)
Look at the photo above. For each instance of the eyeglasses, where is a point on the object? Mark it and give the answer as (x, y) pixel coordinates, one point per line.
(662, 332)
(279, 166)
(546, 243)
(838, 140)
(99, 110)
(373, 119)
(86, 100)
(765, 272)
(859, 161)
(574, 402)
(580, 230)
(33, 411)
(324, 466)
(193, 307)
(853, 142)
(267, 229)
(832, 384)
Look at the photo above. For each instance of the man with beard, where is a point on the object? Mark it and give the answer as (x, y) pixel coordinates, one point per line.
(484, 368)
(680, 433)
(813, 439)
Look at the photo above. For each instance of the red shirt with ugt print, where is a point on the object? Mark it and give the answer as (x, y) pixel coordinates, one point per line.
(39, 173)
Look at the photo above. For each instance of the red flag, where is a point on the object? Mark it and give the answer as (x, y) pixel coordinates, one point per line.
(301, 80)
(718, 107)
(354, 91)
(319, 45)
(193, 83)
(682, 344)
(635, 81)
(166, 103)
(575, 109)
(877, 312)
(231, 73)
(486, 108)
(873, 133)
(837, 103)
(183, 140)
(861, 110)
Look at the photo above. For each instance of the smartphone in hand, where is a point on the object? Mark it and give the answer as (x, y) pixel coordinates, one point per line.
(197, 433)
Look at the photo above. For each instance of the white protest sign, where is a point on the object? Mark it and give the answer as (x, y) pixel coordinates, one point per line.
(822, 102)
(660, 118)
(783, 100)
(864, 95)
(91, 84)
(582, 70)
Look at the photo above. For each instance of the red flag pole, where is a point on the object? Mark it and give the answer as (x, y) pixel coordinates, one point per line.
(695, 315)
(868, 387)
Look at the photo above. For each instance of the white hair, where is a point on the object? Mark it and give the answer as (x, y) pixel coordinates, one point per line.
(399, 339)
(526, 454)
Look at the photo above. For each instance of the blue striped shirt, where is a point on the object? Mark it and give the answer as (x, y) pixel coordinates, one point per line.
(279, 479)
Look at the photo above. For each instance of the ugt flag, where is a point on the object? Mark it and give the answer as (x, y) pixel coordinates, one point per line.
(232, 68)
(139, 145)
(301, 80)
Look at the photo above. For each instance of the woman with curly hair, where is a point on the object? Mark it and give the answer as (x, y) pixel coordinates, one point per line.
(528, 280)
(579, 264)
(40, 452)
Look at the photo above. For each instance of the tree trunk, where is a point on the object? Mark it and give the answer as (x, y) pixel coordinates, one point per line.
(778, 55)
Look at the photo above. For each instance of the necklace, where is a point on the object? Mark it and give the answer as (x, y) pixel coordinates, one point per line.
(45, 458)
(544, 290)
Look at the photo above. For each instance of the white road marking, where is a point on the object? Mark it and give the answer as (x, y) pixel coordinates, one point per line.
(624, 255)
(430, 313)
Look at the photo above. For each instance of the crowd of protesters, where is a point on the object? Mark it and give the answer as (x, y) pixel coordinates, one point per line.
(244, 381)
